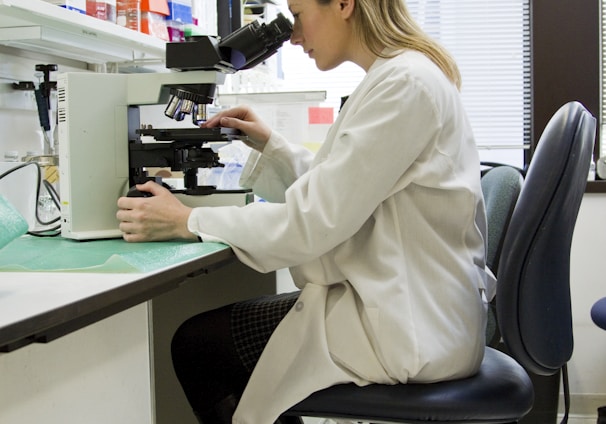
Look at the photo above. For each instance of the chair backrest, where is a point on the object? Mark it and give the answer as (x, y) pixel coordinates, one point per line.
(533, 289)
(501, 186)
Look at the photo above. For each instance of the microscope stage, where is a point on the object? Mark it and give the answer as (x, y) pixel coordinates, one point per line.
(192, 134)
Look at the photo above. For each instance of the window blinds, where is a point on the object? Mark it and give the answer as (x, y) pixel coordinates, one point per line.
(490, 40)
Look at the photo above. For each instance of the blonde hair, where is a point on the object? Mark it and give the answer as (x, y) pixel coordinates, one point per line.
(384, 24)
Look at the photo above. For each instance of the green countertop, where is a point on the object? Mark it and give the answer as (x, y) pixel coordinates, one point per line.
(35, 254)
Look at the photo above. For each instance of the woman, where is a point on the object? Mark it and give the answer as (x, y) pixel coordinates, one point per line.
(383, 231)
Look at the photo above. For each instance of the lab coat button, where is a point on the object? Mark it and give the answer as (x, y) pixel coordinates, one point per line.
(299, 306)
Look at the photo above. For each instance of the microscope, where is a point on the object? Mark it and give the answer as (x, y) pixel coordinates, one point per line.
(104, 149)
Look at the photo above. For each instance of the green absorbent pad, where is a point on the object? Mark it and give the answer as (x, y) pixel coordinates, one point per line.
(29, 253)
(12, 224)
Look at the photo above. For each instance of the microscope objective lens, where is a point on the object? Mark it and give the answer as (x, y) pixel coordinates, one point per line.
(173, 107)
(187, 106)
(199, 115)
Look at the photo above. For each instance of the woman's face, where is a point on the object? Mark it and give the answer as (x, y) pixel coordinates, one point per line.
(322, 30)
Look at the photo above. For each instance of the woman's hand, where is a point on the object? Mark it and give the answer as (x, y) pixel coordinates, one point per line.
(244, 119)
(159, 217)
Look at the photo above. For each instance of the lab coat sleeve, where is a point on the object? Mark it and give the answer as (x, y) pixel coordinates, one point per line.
(269, 174)
(373, 149)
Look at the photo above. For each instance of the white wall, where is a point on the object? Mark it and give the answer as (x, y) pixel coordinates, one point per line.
(19, 123)
(587, 368)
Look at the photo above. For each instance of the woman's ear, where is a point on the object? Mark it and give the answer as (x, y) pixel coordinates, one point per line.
(347, 7)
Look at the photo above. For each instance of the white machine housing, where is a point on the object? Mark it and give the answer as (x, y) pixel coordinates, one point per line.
(93, 130)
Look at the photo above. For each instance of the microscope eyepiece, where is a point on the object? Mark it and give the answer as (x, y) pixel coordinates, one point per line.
(255, 42)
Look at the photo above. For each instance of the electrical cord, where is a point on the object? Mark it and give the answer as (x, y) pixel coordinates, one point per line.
(47, 232)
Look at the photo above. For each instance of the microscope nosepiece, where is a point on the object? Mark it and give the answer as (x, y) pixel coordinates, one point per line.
(183, 102)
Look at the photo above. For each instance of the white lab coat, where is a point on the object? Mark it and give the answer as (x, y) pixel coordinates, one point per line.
(383, 230)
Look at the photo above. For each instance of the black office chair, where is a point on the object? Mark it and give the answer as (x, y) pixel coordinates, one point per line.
(501, 186)
(533, 302)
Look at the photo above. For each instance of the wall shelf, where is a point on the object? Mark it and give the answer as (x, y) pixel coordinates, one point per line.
(35, 25)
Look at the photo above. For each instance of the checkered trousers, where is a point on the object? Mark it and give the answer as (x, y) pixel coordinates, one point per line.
(253, 322)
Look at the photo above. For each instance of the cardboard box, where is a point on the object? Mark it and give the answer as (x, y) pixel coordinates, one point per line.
(76, 5)
(104, 10)
(153, 18)
(178, 19)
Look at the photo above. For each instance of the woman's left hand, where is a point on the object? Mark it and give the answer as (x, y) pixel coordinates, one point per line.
(158, 217)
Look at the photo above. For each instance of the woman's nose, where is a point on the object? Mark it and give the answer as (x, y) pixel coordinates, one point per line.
(295, 36)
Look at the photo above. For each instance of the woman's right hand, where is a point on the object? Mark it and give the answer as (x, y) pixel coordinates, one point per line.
(244, 119)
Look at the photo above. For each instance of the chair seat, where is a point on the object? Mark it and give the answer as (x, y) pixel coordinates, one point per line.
(500, 392)
(598, 313)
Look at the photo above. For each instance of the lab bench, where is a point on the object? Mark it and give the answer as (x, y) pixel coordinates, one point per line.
(85, 327)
